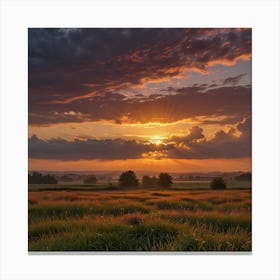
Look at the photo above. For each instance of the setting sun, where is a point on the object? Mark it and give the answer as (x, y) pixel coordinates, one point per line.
(157, 140)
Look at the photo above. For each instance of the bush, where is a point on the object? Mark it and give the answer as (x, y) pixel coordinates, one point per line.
(165, 180)
(218, 183)
(128, 179)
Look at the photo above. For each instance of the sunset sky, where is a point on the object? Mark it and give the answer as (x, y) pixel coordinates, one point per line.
(176, 100)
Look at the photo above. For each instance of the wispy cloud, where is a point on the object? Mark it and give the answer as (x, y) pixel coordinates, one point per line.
(181, 103)
(233, 80)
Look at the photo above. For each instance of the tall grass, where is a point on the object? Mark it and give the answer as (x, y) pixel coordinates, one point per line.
(80, 210)
(140, 220)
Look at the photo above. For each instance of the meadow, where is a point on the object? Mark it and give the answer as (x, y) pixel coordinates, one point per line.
(107, 218)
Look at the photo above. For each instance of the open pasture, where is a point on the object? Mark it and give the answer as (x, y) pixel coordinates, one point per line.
(140, 220)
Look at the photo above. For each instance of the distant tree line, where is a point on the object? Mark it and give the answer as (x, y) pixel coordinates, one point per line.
(164, 180)
(148, 181)
(91, 179)
(229, 175)
(38, 178)
(244, 177)
(129, 179)
(66, 179)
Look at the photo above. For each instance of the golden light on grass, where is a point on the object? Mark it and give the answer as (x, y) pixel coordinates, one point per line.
(156, 218)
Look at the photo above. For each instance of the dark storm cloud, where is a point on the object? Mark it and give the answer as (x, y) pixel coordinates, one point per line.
(233, 80)
(193, 146)
(189, 102)
(69, 66)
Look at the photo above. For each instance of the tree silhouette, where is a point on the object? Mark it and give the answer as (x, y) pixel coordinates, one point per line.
(49, 179)
(128, 179)
(218, 183)
(165, 180)
(38, 178)
(244, 177)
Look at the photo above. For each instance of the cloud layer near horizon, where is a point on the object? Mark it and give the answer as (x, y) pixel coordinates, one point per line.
(192, 146)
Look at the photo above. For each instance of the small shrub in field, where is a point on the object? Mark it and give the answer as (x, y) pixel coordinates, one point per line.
(218, 183)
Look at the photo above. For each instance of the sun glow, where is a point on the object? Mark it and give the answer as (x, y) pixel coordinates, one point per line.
(157, 140)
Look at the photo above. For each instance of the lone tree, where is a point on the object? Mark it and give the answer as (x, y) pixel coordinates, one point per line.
(149, 182)
(218, 183)
(165, 180)
(128, 179)
(90, 180)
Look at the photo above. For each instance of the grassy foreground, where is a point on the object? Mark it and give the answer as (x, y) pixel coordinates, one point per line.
(139, 220)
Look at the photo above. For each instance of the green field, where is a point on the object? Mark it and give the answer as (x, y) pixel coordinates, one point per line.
(178, 219)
